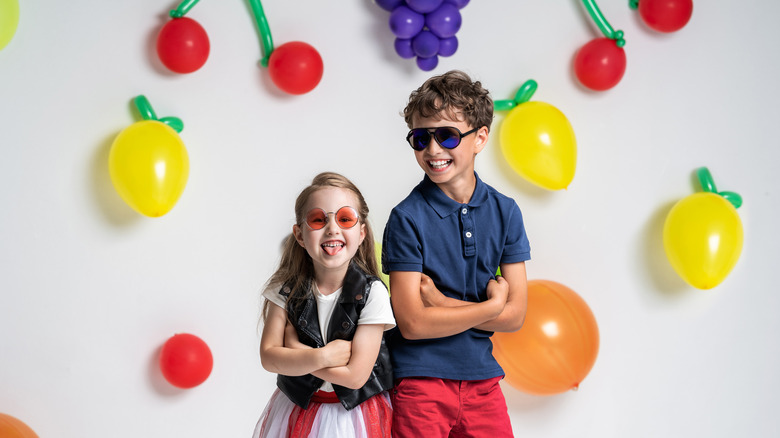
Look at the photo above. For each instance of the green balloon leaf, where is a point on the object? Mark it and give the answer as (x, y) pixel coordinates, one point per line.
(183, 8)
(265, 31)
(147, 113)
(602, 23)
(173, 122)
(503, 105)
(633, 4)
(708, 185)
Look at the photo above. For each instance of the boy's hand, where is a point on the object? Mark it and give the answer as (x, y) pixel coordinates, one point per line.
(431, 296)
(336, 353)
(498, 291)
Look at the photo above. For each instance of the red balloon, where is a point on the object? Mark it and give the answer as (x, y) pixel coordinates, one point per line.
(11, 427)
(185, 360)
(600, 64)
(557, 345)
(666, 15)
(295, 67)
(183, 45)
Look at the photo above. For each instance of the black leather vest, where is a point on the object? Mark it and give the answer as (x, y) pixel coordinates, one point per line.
(343, 324)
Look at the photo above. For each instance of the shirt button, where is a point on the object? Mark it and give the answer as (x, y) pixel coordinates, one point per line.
(468, 234)
(345, 325)
(465, 210)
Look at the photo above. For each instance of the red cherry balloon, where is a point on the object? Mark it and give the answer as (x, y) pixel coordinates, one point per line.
(183, 45)
(185, 360)
(600, 64)
(666, 15)
(295, 67)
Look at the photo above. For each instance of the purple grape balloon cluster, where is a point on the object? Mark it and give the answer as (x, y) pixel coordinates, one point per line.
(424, 29)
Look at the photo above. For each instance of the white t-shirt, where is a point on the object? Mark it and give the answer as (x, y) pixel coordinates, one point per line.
(376, 311)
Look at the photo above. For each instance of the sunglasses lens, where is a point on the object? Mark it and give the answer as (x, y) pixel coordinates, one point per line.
(346, 217)
(316, 219)
(447, 137)
(420, 139)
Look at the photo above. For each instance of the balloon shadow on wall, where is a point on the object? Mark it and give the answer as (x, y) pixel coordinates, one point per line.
(519, 401)
(653, 255)
(157, 380)
(151, 48)
(114, 209)
(378, 29)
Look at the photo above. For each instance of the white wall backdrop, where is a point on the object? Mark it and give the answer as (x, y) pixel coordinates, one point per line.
(90, 290)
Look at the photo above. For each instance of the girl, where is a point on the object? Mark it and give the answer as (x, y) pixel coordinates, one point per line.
(324, 318)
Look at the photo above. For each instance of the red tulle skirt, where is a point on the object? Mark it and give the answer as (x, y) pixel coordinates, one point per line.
(325, 417)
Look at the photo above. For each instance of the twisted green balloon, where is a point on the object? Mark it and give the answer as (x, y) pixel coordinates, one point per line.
(183, 8)
(523, 95)
(633, 4)
(708, 185)
(147, 113)
(265, 32)
(603, 24)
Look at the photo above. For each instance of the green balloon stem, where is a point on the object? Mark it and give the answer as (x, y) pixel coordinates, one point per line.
(708, 185)
(265, 31)
(633, 4)
(147, 113)
(144, 108)
(525, 92)
(183, 8)
(602, 23)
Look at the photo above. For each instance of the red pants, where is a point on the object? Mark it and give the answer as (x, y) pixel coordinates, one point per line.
(438, 408)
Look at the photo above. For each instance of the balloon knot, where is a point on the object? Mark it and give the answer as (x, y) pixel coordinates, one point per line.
(175, 14)
(618, 37)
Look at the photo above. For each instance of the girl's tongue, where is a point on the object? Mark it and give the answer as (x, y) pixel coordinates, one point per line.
(332, 247)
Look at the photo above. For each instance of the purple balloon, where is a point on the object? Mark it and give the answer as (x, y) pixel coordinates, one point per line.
(460, 4)
(405, 23)
(389, 5)
(425, 44)
(403, 47)
(423, 6)
(427, 64)
(448, 46)
(445, 21)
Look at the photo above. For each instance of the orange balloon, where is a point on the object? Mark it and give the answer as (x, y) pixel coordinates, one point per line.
(11, 427)
(557, 345)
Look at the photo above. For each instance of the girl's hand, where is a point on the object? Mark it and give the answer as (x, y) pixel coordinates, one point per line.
(431, 296)
(336, 353)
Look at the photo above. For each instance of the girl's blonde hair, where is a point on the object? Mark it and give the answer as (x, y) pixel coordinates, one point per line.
(296, 267)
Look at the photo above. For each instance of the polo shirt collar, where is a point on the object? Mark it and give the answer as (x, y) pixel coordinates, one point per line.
(443, 204)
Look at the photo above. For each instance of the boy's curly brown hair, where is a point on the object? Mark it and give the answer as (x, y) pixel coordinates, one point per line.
(452, 95)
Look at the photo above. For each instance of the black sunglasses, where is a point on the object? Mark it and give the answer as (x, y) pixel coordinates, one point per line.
(446, 136)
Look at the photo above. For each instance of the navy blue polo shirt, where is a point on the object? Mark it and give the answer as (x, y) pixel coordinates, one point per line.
(460, 246)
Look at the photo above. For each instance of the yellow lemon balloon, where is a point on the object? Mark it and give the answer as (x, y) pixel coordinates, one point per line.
(9, 20)
(703, 239)
(384, 277)
(149, 167)
(538, 143)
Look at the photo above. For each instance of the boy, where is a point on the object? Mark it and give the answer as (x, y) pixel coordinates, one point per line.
(442, 246)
